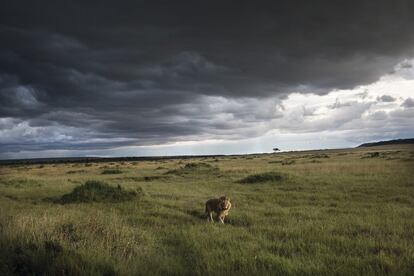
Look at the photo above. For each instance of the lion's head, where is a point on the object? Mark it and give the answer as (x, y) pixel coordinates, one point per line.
(225, 203)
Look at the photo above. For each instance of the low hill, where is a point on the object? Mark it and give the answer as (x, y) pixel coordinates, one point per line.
(389, 142)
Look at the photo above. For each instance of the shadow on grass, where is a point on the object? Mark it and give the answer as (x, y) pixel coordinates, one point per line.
(237, 221)
(19, 257)
(197, 214)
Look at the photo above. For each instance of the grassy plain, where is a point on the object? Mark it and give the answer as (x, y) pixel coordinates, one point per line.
(343, 212)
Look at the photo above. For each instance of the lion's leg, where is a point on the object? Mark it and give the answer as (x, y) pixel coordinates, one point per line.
(221, 218)
(210, 217)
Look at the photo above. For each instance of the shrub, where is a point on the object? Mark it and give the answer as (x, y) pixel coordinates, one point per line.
(190, 168)
(198, 166)
(321, 155)
(262, 177)
(75, 171)
(153, 177)
(112, 171)
(374, 154)
(95, 191)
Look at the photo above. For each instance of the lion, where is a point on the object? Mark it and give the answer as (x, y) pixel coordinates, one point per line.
(220, 206)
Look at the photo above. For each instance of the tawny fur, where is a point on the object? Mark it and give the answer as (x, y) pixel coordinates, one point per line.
(220, 206)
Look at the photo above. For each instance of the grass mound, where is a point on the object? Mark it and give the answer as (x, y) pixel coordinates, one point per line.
(95, 191)
(262, 177)
(112, 171)
(194, 168)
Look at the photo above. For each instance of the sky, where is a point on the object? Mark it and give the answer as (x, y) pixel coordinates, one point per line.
(139, 78)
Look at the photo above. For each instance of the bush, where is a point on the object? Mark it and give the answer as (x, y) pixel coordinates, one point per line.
(190, 168)
(153, 177)
(95, 191)
(75, 171)
(374, 154)
(262, 177)
(198, 166)
(321, 155)
(112, 171)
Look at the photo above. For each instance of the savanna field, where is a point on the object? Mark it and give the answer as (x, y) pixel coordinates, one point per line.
(331, 212)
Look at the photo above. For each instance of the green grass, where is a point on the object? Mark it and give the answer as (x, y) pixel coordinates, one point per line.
(335, 212)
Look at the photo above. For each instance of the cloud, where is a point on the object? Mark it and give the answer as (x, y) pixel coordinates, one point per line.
(77, 76)
(408, 103)
(386, 99)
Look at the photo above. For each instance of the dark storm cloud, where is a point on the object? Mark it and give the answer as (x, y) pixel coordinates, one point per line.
(86, 74)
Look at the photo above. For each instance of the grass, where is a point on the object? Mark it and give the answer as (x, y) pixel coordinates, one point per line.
(331, 212)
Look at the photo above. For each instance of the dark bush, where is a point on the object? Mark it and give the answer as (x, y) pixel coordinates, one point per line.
(262, 177)
(75, 171)
(153, 177)
(374, 154)
(112, 171)
(191, 168)
(321, 155)
(95, 191)
(198, 166)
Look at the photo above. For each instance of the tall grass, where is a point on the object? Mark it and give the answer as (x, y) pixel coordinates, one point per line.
(344, 215)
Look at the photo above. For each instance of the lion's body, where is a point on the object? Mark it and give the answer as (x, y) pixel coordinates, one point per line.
(220, 206)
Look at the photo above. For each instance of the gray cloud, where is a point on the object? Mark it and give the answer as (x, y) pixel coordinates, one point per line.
(408, 103)
(83, 74)
(386, 99)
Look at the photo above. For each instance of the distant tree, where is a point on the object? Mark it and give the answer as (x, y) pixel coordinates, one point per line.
(276, 149)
